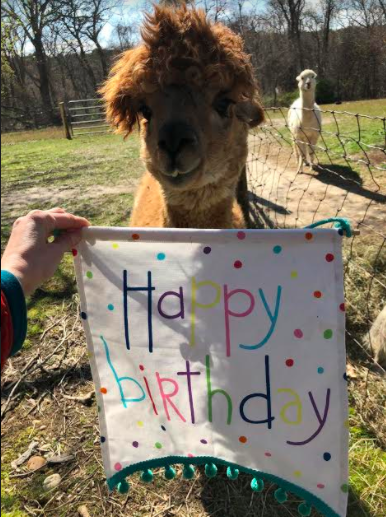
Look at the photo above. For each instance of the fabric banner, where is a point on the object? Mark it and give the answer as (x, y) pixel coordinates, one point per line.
(222, 348)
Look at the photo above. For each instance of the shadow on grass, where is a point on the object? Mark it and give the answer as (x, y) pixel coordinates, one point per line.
(46, 381)
(358, 508)
(63, 291)
(346, 178)
(258, 217)
(221, 497)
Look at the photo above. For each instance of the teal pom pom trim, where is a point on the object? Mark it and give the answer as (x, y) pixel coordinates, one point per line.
(211, 470)
(233, 473)
(257, 485)
(281, 496)
(147, 476)
(123, 487)
(189, 472)
(170, 473)
(304, 510)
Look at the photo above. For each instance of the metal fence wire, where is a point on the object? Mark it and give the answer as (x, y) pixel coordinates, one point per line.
(348, 179)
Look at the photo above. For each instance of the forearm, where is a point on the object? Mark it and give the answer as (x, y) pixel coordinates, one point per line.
(13, 316)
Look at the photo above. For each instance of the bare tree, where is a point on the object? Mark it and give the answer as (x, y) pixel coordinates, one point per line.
(72, 28)
(98, 13)
(292, 11)
(33, 17)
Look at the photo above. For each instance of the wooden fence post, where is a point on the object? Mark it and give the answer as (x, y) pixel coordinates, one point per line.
(66, 124)
(242, 196)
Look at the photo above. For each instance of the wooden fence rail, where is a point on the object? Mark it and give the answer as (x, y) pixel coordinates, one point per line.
(83, 117)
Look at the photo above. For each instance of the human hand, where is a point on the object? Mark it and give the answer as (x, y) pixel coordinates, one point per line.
(29, 256)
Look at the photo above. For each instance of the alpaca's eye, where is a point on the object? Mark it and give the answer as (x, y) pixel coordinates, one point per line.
(145, 111)
(222, 106)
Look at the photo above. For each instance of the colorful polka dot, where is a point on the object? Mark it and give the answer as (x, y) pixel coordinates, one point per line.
(89, 274)
(204, 442)
(207, 250)
(103, 391)
(118, 467)
(115, 246)
(342, 307)
(298, 333)
(309, 236)
(110, 307)
(141, 367)
(318, 294)
(74, 252)
(135, 237)
(238, 264)
(241, 235)
(327, 334)
(135, 445)
(161, 256)
(268, 454)
(330, 257)
(277, 250)
(243, 439)
(320, 486)
(290, 363)
(163, 428)
(294, 274)
(83, 315)
(158, 445)
(320, 370)
(140, 424)
(326, 456)
(190, 455)
(344, 488)
(298, 474)
(103, 439)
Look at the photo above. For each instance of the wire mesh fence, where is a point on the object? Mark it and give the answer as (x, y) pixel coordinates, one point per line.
(347, 179)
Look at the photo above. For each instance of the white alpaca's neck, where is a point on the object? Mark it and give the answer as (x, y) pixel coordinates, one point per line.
(307, 98)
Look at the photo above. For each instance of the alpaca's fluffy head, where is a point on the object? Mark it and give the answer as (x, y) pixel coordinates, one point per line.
(191, 87)
(307, 80)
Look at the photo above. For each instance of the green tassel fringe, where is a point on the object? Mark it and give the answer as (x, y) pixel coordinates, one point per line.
(123, 487)
(170, 473)
(211, 470)
(257, 485)
(281, 495)
(189, 472)
(147, 476)
(304, 510)
(233, 473)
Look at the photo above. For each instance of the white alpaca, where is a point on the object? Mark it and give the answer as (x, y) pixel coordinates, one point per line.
(305, 120)
(376, 339)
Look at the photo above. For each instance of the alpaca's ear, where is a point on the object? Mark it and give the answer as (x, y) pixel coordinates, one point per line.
(119, 95)
(298, 78)
(250, 112)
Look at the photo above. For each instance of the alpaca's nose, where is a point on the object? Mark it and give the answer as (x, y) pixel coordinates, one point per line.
(175, 136)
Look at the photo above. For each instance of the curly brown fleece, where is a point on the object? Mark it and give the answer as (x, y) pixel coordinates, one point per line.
(182, 49)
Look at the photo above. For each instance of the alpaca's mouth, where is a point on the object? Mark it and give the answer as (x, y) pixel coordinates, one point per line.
(179, 179)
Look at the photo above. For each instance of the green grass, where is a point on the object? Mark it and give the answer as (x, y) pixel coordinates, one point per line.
(96, 177)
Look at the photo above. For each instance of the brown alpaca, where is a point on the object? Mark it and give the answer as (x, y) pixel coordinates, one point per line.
(191, 88)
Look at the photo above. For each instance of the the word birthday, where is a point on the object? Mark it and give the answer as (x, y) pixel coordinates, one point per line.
(162, 399)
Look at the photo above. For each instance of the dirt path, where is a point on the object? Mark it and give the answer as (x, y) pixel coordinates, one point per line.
(283, 197)
(17, 202)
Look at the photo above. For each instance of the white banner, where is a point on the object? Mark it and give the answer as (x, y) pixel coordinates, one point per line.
(220, 347)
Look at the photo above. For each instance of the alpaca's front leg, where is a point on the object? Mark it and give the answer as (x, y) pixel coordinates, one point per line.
(312, 157)
(300, 152)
